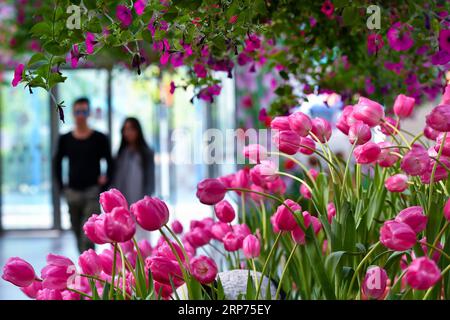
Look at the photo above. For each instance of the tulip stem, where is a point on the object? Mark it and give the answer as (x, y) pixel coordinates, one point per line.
(301, 165)
(255, 275)
(294, 178)
(434, 247)
(186, 257)
(284, 271)
(364, 260)
(113, 274)
(243, 207)
(438, 238)
(441, 148)
(396, 130)
(272, 251)
(81, 293)
(124, 278)
(264, 219)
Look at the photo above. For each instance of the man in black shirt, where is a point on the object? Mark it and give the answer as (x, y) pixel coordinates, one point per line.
(84, 147)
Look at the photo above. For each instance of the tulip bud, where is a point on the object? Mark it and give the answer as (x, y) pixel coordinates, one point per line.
(439, 118)
(397, 183)
(220, 229)
(367, 153)
(307, 146)
(345, 120)
(119, 225)
(94, 229)
(112, 199)
(280, 123)
(106, 260)
(224, 211)
(198, 237)
(263, 173)
(177, 227)
(331, 211)
(445, 143)
(164, 269)
(305, 192)
(422, 273)
(255, 153)
(251, 247)
(359, 133)
(430, 133)
(32, 290)
(56, 274)
(368, 111)
(447, 210)
(165, 250)
(397, 236)
(284, 219)
(204, 269)
(286, 141)
(210, 191)
(90, 263)
(413, 217)
(151, 213)
(19, 272)
(415, 161)
(404, 106)
(321, 128)
(232, 242)
(300, 123)
(375, 282)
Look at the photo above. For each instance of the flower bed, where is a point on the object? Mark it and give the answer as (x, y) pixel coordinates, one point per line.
(375, 229)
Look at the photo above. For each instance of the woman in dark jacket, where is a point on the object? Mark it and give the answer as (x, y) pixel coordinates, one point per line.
(134, 167)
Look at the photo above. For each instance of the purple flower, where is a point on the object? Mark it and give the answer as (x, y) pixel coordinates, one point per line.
(74, 56)
(139, 6)
(90, 42)
(399, 37)
(374, 43)
(124, 15)
(200, 70)
(172, 87)
(444, 40)
(440, 58)
(18, 75)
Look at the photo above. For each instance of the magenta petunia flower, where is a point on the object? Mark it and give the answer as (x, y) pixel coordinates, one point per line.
(18, 73)
(327, 8)
(399, 37)
(139, 6)
(200, 70)
(394, 67)
(124, 15)
(440, 58)
(90, 42)
(74, 56)
(444, 40)
(172, 87)
(374, 43)
(164, 58)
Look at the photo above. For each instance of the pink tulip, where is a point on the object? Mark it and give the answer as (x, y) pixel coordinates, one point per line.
(145, 248)
(277, 186)
(94, 229)
(422, 273)
(241, 179)
(331, 211)
(436, 255)
(280, 123)
(210, 191)
(204, 269)
(345, 120)
(439, 118)
(404, 106)
(375, 282)
(150, 213)
(198, 237)
(19, 272)
(162, 290)
(305, 192)
(112, 199)
(415, 161)
(359, 133)
(165, 250)
(255, 153)
(300, 123)
(430, 133)
(396, 183)
(284, 219)
(219, 230)
(307, 146)
(90, 263)
(49, 294)
(286, 141)
(386, 158)
(69, 295)
(106, 260)
(120, 225)
(367, 153)
(32, 290)
(390, 127)
(58, 272)
(368, 111)
(413, 217)
(263, 173)
(251, 247)
(321, 128)
(18, 75)
(446, 95)
(232, 242)
(397, 236)
(177, 227)
(445, 143)
(447, 210)
(163, 269)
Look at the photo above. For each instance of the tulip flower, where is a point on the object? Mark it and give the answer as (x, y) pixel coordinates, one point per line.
(163, 269)
(413, 217)
(19, 272)
(119, 225)
(430, 133)
(445, 144)
(224, 211)
(359, 133)
(58, 272)
(198, 237)
(48, 294)
(32, 290)
(177, 227)
(368, 111)
(94, 229)
(106, 260)
(165, 250)
(204, 269)
(436, 255)
(280, 123)
(439, 118)
(422, 273)
(390, 127)
(300, 123)
(145, 248)
(150, 213)
(90, 263)
(321, 128)
(220, 229)
(404, 106)
(331, 211)
(307, 146)
(284, 219)
(286, 141)
(415, 161)
(263, 173)
(112, 199)
(375, 282)
(305, 191)
(367, 153)
(251, 247)
(396, 183)
(387, 158)
(210, 191)
(345, 120)
(255, 153)
(397, 235)
(232, 242)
